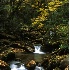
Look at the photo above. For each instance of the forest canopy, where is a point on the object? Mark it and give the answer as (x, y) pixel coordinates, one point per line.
(50, 15)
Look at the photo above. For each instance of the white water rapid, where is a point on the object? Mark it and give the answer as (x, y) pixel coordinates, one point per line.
(38, 68)
(38, 49)
(15, 65)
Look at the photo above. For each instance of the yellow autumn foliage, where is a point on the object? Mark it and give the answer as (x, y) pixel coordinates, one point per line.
(17, 0)
(57, 6)
(34, 23)
(33, 5)
(51, 3)
(41, 9)
(41, 25)
(52, 8)
(44, 12)
(36, 20)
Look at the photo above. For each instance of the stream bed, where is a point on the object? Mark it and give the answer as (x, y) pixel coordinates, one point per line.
(34, 56)
(24, 59)
(35, 61)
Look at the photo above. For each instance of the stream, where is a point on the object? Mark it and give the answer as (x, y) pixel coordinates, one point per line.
(24, 59)
(35, 59)
(37, 56)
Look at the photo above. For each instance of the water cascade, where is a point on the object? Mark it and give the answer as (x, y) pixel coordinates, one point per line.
(15, 65)
(38, 49)
(39, 68)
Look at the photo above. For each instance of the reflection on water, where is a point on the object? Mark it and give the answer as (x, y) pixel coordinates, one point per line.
(38, 57)
(25, 58)
(16, 65)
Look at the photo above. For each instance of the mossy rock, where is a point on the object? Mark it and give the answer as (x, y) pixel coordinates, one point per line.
(4, 65)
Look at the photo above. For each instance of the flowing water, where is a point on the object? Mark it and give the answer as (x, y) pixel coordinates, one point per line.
(38, 49)
(38, 56)
(16, 65)
(39, 68)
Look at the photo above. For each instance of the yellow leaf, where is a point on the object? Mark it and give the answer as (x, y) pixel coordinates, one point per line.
(57, 6)
(51, 3)
(41, 9)
(52, 9)
(33, 5)
(36, 20)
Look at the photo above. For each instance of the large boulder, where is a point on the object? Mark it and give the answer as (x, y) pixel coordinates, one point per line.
(31, 65)
(64, 63)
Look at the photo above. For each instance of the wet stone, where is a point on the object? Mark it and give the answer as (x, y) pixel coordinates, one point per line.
(4, 65)
(31, 65)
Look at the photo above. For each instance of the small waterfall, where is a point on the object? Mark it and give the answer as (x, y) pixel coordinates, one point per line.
(38, 49)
